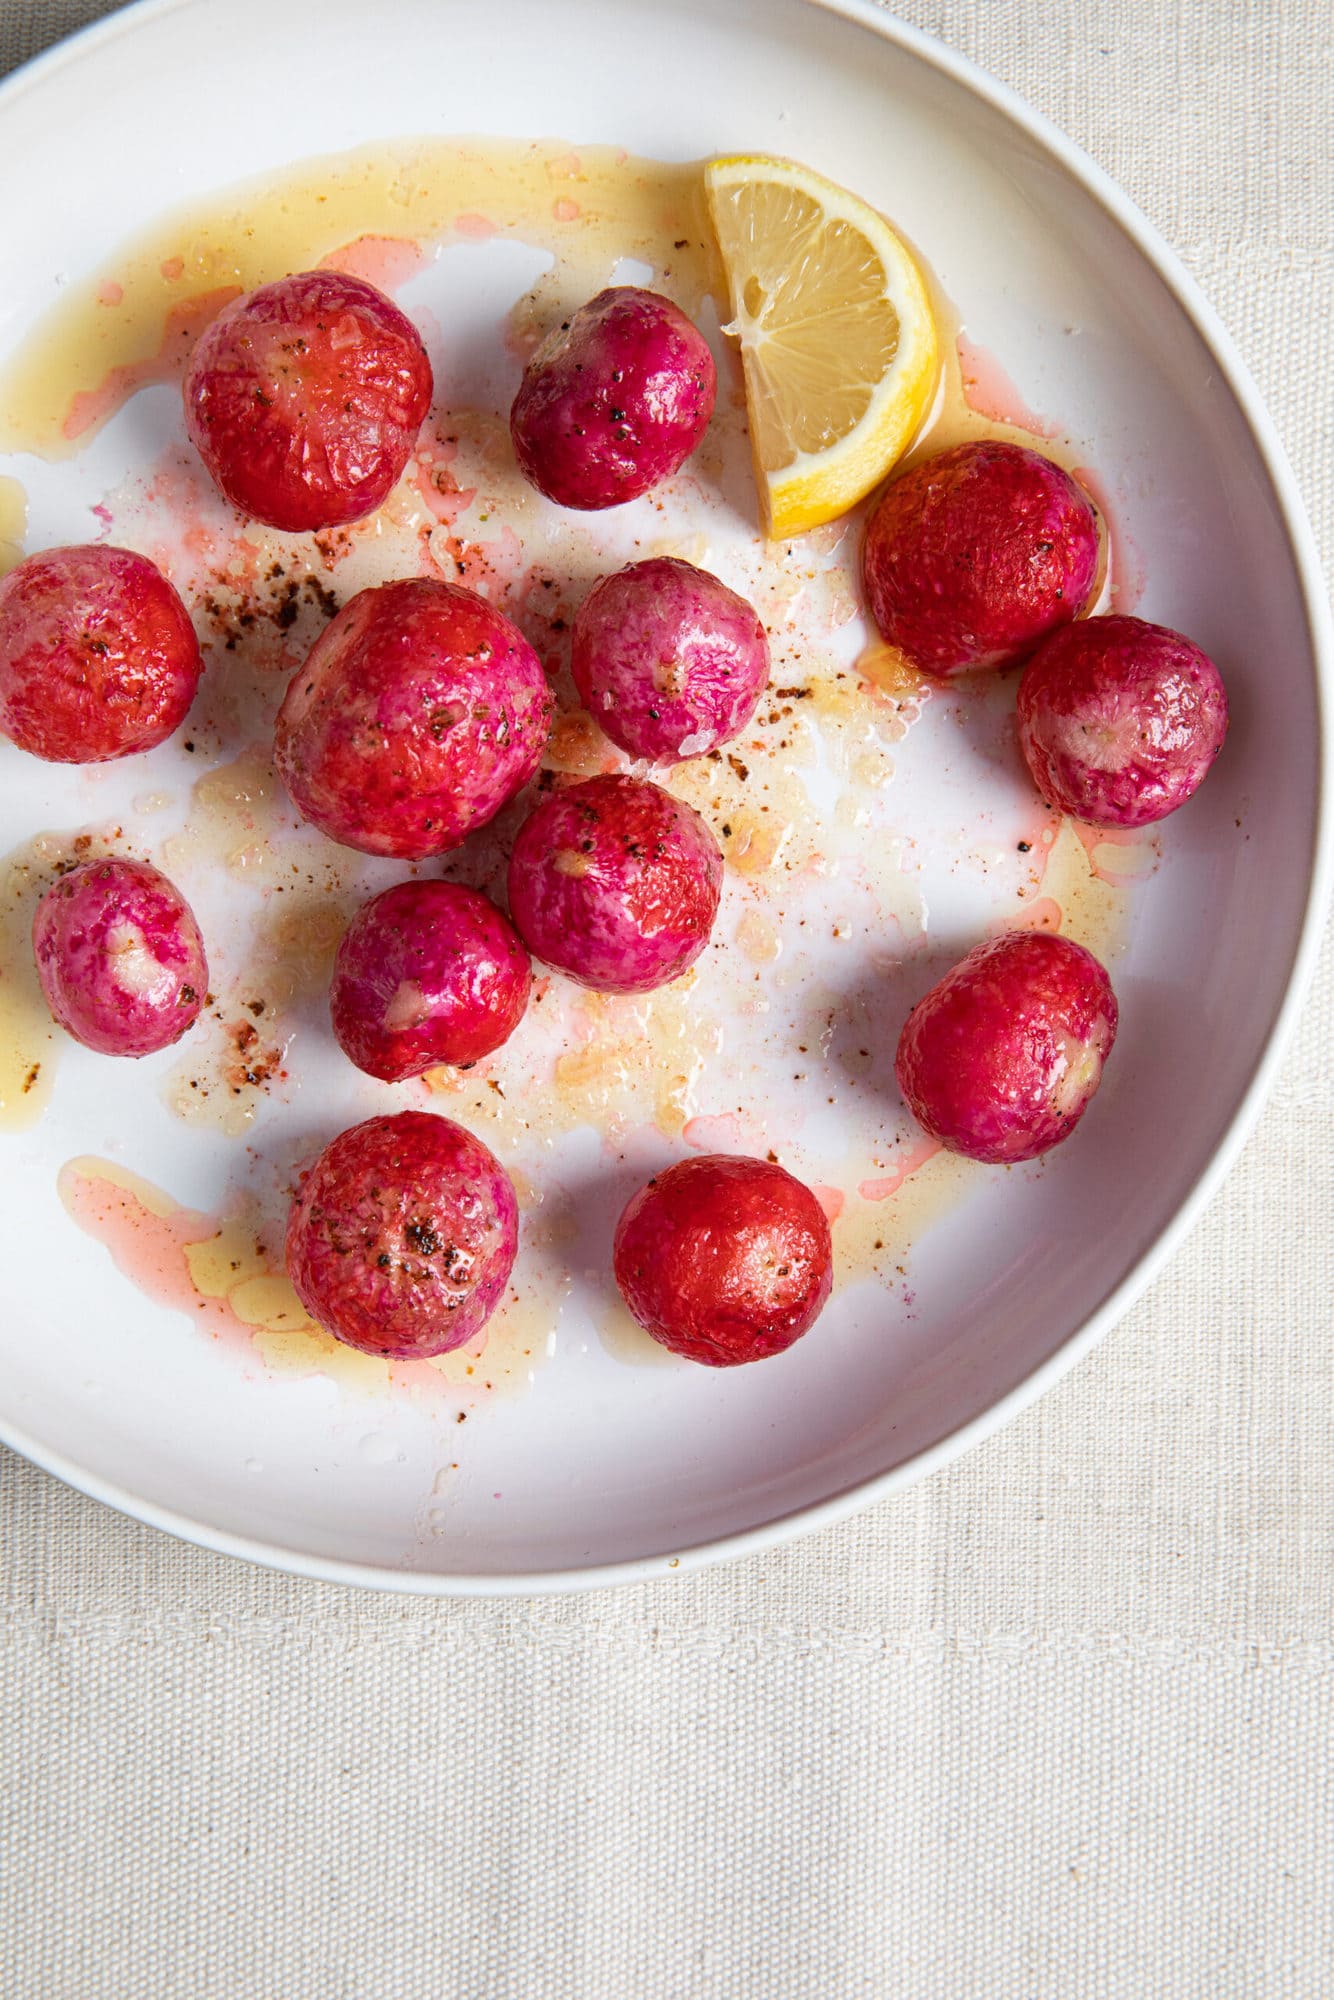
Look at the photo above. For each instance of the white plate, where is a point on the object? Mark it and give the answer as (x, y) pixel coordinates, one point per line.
(607, 1466)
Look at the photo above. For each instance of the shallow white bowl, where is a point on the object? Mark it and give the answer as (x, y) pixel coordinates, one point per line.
(604, 1472)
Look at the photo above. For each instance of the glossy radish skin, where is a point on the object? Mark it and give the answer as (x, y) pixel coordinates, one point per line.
(119, 957)
(614, 400)
(668, 660)
(418, 714)
(976, 554)
(1000, 1060)
(615, 883)
(1120, 720)
(98, 658)
(724, 1260)
(427, 973)
(403, 1236)
(305, 398)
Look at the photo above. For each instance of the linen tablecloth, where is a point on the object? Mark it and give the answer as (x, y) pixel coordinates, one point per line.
(1055, 1723)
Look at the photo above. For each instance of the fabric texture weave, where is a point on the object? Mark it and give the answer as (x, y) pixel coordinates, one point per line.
(1056, 1722)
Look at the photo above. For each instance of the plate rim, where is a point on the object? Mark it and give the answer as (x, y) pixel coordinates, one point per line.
(807, 1519)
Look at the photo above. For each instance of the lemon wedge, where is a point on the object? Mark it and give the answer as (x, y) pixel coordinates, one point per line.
(838, 342)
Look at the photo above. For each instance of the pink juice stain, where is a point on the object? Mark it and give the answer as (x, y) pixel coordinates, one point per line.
(475, 228)
(89, 409)
(437, 488)
(491, 568)
(1101, 844)
(1045, 914)
(178, 490)
(150, 1236)
(384, 261)
(148, 1245)
(909, 1162)
(723, 1132)
(831, 1199)
(990, 393)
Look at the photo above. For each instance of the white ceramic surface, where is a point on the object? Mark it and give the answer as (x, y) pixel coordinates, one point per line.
(601, 1469)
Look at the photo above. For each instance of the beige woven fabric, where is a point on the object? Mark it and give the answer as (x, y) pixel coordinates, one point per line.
(1056, 1723)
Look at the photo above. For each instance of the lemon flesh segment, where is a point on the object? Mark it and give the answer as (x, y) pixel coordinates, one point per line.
(838, 342)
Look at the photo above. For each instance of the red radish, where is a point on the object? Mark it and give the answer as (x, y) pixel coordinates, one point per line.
(615, 883)
(1120, 720)
(403, 1235)
(976, 554)
(119, 957)
(1000, 1059)
(426, 973)
(418, 714)
(615, 399)
(668, 660)
(305, 398)
(724, 1260)
(98, 658)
